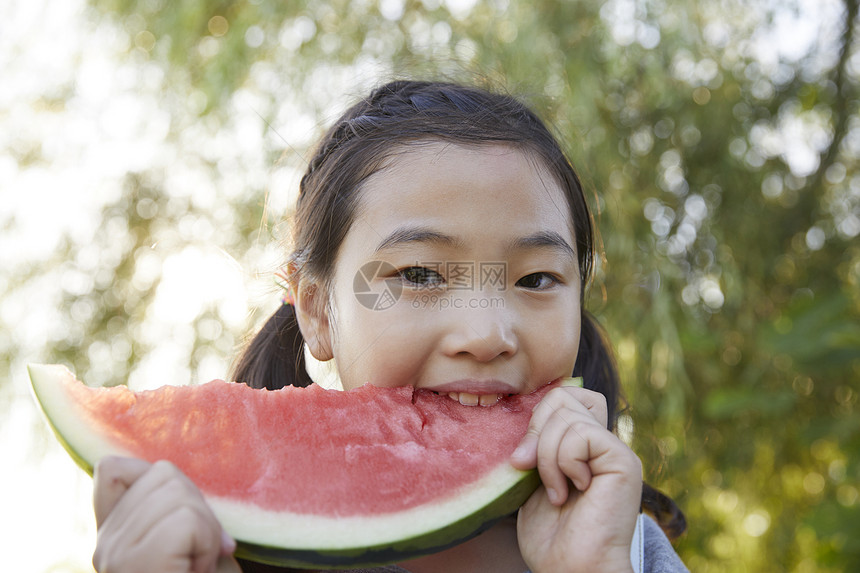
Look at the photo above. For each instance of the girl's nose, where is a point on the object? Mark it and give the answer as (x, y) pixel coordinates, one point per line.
(483, 334)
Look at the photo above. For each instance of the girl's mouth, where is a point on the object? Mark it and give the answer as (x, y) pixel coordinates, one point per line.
(476, 391)
(467, 399)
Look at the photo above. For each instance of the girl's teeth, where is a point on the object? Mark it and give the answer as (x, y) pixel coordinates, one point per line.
(467, 399)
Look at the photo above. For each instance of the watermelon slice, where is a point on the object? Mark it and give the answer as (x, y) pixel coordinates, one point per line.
(308, 477)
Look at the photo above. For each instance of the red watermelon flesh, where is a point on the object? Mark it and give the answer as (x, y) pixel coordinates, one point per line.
(308, 476)
(367, 451)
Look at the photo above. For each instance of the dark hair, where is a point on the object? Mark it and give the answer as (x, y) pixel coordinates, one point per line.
(394, 117)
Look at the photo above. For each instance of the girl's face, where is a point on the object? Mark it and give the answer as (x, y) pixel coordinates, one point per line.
(458, 275)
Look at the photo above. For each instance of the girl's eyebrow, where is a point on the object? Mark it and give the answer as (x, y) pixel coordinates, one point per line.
(541, 239)
(404, 235)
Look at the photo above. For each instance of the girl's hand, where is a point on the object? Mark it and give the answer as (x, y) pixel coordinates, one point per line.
(589, 528)
(151, 517)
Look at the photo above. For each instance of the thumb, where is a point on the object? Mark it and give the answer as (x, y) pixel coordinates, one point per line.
(525, 456)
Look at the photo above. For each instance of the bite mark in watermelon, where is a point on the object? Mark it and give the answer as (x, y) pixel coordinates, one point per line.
(308, 477)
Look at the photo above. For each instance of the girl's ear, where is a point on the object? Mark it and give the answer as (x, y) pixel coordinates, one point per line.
(312, 315)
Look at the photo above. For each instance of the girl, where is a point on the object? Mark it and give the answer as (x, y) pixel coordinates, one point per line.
(443, 190)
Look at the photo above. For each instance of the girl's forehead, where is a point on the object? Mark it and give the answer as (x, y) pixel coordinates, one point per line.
(456, 186)
(435, 152)
(459, 172)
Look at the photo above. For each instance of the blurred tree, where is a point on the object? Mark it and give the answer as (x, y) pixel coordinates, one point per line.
(724, 170)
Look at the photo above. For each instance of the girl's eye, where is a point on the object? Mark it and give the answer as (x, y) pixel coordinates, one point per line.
(537, 281)
(422, 276)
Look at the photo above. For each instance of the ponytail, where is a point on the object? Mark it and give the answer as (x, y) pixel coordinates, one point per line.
(275, 357)
(664, 510)
(596, 364)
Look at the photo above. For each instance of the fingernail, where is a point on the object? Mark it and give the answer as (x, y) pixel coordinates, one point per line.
(228, 544)
(519, 452)
(552, 495)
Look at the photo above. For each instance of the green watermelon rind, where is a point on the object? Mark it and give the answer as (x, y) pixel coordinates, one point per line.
(508, 490)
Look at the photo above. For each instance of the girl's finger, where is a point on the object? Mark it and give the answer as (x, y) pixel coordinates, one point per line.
(551, 475)
(569, 455)
(160, 511)
(525, 456)
(593, 402)
(141, 496)
(228, 544)
(607, 457)
(185, 527)
(575, 451)
(113, 476)
(586, 402)
(577, 399)
(156, 496)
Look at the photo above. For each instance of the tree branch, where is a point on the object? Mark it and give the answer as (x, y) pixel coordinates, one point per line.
(844, 91)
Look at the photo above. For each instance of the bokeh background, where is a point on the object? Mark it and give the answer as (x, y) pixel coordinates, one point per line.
(149, 150)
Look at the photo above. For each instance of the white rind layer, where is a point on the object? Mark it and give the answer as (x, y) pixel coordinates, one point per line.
(280, 529)
(248, 522)
(68, 425)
